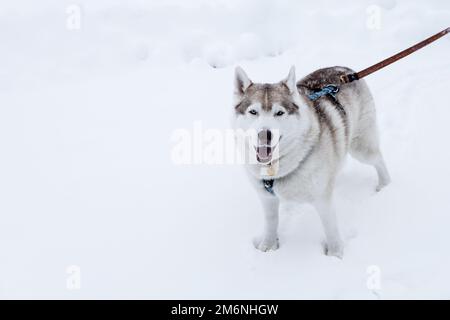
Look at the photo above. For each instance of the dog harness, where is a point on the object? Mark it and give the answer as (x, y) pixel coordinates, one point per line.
(329, 89)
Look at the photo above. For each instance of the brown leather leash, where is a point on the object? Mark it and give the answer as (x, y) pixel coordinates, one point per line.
(359, 75)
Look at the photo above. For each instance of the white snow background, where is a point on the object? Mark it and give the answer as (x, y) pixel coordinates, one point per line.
(86, 177)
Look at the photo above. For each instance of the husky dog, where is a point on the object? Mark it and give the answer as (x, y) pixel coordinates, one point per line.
(312, 139)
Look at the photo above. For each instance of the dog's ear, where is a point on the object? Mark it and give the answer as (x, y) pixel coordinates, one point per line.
(290, 81)
(241, 81)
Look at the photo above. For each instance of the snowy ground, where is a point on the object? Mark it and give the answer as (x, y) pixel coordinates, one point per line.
(86, 177)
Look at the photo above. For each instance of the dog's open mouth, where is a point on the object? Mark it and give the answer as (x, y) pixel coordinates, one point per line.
(263, 153)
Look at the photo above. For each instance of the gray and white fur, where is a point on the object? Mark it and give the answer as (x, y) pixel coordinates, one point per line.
(312, 140)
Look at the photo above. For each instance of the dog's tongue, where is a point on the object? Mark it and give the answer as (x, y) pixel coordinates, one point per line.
(264, 153)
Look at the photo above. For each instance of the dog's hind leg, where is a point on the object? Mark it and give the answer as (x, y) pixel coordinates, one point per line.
(373, 157)
(365, 148)
(383, 174)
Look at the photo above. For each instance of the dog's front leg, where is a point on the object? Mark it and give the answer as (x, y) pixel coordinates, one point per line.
(269, 240)
(334, 244)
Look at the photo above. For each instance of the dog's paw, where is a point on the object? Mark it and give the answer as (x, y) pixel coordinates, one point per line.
(267, 244)
(335, 250)
(382, 184)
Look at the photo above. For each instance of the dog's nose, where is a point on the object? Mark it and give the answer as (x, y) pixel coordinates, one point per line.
(264, 137)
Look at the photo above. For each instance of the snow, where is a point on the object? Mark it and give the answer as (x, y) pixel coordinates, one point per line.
(87, 179)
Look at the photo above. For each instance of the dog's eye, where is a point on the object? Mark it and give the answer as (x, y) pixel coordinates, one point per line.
(279, 113)
(253, 112)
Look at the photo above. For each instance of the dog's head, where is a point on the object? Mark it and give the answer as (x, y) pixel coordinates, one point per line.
(273, 111)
